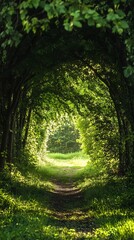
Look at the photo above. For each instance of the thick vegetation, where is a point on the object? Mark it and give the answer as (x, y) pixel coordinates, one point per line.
(42, 43)
(63, 138)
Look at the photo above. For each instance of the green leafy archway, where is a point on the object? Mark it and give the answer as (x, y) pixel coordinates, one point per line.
(33, 42)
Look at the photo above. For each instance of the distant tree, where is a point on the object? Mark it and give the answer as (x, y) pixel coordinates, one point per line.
(64, 138)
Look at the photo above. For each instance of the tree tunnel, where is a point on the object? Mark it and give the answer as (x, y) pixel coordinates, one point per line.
(35, 76)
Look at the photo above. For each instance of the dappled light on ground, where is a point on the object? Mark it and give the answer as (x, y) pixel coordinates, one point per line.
(61, 160)
(67, 202)
(62, 168)
(63, 163)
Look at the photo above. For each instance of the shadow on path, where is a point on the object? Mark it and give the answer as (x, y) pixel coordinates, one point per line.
(66, 203)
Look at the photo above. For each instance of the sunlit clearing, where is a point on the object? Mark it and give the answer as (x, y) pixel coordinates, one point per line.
(74, 162)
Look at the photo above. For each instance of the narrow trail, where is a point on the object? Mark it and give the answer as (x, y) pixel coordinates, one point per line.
(67, 204)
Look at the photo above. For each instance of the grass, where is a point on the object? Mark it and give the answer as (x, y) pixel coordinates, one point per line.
(113, 205)
(27, 210)
(62, 167)
(68, 156)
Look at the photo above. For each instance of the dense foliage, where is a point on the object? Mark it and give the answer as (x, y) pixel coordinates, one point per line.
(64, 138)
(41, 41)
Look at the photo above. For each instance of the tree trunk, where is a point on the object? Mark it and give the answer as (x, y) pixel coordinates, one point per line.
(4, 141)
(125, 132)
(6, 149)
(10, 144)
(27, 127)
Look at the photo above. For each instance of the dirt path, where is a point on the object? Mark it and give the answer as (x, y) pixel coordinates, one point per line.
(67, 204)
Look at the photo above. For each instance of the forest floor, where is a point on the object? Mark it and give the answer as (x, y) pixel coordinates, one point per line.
(66, 197)
(67, 201)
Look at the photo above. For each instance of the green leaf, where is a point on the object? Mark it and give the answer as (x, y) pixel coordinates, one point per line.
(23, 13)
(128, 71)
(76, 14)
(120, 13)
(61, 9)
(68, 26)
(98, 25)
(117, 29)
(34, 21)
(91, 12)
(35, 3)
(47, 7)
(112, 16)
(24, 5)
(77, 23)
(124, 24)
(91, 22)
(116, 1)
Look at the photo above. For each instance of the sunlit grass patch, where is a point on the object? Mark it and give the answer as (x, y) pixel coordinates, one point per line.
(62, 166)
(64, 233)
(22, 225)
(77, 159)
(58, 173)
(69, 156)
(121, 230)
(114, 215)
(66, 163)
